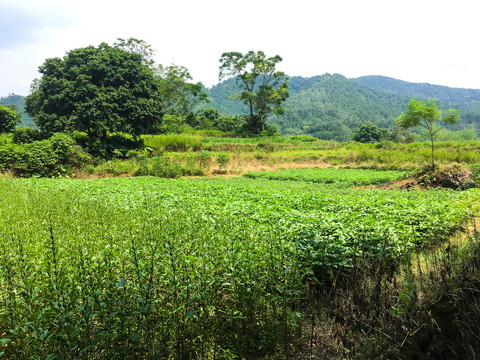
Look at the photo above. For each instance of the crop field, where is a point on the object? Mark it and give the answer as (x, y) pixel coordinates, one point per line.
(338, 177)
(193, 268)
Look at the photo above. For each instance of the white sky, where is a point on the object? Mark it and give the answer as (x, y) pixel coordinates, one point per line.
(433, 41)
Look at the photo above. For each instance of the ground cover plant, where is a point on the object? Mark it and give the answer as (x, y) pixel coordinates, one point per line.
(338, 177)
(202, 268)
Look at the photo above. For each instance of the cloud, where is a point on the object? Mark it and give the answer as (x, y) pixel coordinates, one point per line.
(25, 22)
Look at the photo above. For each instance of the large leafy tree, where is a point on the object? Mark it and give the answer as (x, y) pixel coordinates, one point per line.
(427, 115)
(96, 90)
(9, 118)
(263, 89)
(179, 94)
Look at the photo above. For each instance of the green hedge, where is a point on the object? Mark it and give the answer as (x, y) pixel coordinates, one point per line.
(52, 157)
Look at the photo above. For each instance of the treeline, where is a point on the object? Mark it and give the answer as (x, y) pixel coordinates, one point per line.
(120, 89)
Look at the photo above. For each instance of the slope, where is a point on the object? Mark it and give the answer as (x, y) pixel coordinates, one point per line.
(328, 106)
(420, 90)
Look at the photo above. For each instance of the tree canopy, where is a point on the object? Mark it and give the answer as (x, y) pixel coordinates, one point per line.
(179, 95)
(263, 89)
(427, 115)
(369, 133)
(96, 90)
(9, 118)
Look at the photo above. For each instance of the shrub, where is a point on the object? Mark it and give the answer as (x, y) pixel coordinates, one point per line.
(52, 157)
(204, 159)
(223, 159)
(162, 166)
(25, 135)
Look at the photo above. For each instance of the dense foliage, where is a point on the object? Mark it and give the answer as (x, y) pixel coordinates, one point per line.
(54, 156)
(444, 94)
(370, 133)
(9, 118)
(96, 90)
(328, 107)
(151, 268)
(333, 107)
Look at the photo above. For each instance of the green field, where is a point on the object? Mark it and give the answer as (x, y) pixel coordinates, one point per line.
(338, 177)
(201, 268)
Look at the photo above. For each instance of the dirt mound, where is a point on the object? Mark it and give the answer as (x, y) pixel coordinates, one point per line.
(457, 180)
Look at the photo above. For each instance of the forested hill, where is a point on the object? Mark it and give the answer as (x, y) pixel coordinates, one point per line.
(328, 106)
(332, 107)
(420, 90)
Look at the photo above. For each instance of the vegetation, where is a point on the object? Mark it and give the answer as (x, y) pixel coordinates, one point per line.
(263, 89)
(332, 107)
(151, 268)
(55, 156)
(19, 102)
(9, 118)
(370, 133)
(336, 177)
(314, 260)
(81, 92)
(329, 107)
(444, 94)
(427, 115)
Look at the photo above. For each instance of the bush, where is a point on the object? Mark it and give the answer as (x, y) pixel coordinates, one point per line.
(25, 135)
(303, 138)
(52, 157)
(162, 166)
(223, 160)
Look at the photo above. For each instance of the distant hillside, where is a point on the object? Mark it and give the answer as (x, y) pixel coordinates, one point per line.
(332, 107)
(329, 107)
(18, 101)
(420, 90)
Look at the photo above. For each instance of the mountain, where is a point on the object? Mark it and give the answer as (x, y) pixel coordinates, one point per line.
(18, 101)
(327, 106)
(332, 107)
(420, 90)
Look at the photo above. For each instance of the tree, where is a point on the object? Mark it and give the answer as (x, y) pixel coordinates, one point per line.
(369, 133)
(178, 94)
(262, 88)
(9, 118)
(96, 90)
(426, 114)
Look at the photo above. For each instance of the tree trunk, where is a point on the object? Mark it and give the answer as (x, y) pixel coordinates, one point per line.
(433, 156)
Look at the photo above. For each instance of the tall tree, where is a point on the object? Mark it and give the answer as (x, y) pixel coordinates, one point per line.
(9, 118)
(427, 114)
(263, 89)
(179, 94)
(96, 90)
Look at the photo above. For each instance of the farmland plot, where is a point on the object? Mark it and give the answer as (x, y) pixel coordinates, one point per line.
(155, 268)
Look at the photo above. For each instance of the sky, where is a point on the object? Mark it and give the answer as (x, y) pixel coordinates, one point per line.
(413, 40)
